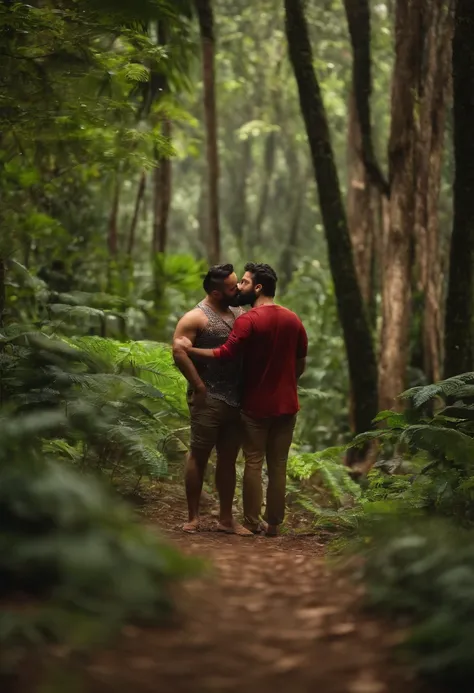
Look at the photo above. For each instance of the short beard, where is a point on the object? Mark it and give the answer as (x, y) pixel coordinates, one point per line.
(233, 302)
(247, 298)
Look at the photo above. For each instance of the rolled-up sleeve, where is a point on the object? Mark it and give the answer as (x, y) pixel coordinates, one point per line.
(238, 337)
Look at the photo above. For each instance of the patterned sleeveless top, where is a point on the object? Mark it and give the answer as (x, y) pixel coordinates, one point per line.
(222, 378)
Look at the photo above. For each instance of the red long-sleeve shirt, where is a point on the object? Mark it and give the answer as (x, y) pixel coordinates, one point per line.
(270, 339)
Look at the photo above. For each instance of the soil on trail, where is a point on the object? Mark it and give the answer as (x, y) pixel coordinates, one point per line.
(271, 616)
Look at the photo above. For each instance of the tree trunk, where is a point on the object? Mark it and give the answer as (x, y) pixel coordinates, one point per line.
(239, 175)
(397, 252)
(460, 299)
(268, 168)
(202, 213)
(162, 197)
(355, 326)
(287, 262)
(136, 212)
(2, 290)
(433, 97)
(206, 26)
(112, 237)
(358, 18)
(363, 203)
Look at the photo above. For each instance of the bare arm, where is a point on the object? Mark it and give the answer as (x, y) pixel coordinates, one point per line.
(188, 327)
(233, 347)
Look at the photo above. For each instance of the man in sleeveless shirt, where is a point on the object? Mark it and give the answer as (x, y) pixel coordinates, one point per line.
(272, 343)
(214, 389)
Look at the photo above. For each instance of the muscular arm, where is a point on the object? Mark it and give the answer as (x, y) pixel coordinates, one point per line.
(188, 327)
(233, 347)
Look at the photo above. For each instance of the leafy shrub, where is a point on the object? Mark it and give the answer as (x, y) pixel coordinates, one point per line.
(437, 428)
(424, 571)
(122, 401)
(71, 552)
(322, 486)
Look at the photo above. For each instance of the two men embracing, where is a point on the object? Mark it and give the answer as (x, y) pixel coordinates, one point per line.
(242, 370)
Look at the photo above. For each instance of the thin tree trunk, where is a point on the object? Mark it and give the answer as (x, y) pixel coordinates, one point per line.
(206, 25)
(203, 209)
(2, 290)
(162, 197)
(355, 326)
(358, 18)
(268, 168)
(239, 176)
(287, 261)
(459, 347)
(362, 208)
(136, 213)
(112, 239)
(397, 253)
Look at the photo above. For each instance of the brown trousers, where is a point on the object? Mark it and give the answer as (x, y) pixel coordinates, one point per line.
(271, 439)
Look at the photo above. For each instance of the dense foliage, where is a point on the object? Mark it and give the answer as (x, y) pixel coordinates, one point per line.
(105, 236)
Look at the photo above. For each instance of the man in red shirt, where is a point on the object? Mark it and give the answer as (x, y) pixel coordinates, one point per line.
(273, 344)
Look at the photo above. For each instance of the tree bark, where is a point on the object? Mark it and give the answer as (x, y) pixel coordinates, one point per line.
(287, 262)
(397, 252)
(2, 290)
(354, 322)
(162, 197)
(136, 213)
(358, 18)
(459, 348)
(433, 96)
(268, 168)
(363, 204)
(112, 236)
(206, 26)
(239, 175)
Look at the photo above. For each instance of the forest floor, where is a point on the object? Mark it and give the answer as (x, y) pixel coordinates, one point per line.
(272, 614)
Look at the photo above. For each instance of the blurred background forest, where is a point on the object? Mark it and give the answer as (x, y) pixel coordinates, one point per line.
(140, 142)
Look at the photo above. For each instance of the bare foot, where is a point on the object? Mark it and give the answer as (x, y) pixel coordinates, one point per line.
(191, 526)
(271, 530)
(257, 529)
(234, 528)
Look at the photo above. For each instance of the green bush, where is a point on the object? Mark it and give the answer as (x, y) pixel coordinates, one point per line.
(123, 403)
(72, 552)
(423, 570)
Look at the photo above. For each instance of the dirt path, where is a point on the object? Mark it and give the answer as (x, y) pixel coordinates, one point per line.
(272, 616)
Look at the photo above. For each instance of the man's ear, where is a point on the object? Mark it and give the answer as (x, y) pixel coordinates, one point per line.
(258, 288)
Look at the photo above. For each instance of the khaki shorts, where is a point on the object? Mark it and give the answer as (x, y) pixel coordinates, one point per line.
(215, 424)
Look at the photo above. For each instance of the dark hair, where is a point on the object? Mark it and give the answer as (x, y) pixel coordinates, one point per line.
(264, 275)
(216, 275)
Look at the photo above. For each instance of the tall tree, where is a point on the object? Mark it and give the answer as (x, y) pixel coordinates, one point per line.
(112, 240)
(163, 170)
(358, 19)
(459, 344)
(433, 96)
(162, 196)
(355, 326)
(363, 211)
(417, 126)
(206, 27)
(136, 212)
(397, 250)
